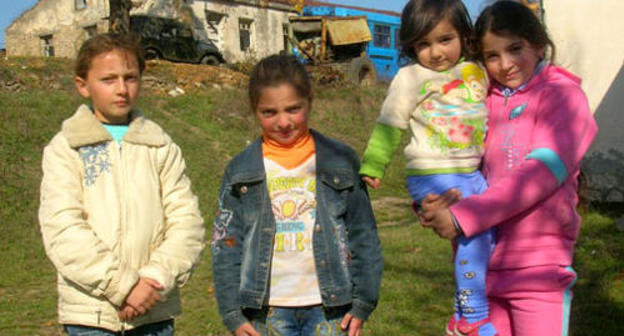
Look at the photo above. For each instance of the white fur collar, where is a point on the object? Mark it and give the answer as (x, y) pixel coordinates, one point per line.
(84, 129)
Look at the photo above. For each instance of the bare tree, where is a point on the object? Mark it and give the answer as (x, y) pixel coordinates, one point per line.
(119, 16)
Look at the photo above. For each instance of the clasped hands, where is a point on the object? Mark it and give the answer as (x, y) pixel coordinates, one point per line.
(434, 213)
(143, 296)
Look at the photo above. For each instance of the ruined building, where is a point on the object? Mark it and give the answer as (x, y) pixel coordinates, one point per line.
(241, 29)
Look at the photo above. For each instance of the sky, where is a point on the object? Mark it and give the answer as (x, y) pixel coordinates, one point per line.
(11, 9)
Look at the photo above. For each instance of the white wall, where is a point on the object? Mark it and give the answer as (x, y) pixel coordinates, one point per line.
(266, 29)
(589, 38)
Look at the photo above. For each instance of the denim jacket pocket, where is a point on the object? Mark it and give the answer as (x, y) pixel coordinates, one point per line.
(248, 188)
(340, 182)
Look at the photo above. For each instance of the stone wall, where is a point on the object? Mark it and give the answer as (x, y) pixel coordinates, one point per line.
(60, 23)
(216, 20)
(219, 21)
(265, 28)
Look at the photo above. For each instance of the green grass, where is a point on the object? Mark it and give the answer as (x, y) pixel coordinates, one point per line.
(211, 126)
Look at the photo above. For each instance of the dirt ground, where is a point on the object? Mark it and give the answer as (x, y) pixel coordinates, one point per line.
(160, 77)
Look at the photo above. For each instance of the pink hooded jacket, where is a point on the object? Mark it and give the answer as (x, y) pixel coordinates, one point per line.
(535, 143)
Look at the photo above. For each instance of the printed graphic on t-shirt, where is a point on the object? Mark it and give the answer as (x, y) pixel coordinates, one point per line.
(294, 204)
(455, 117)
(293, 200)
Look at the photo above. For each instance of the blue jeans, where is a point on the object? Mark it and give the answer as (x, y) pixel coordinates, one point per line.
(473, 254)
(163, 328)
(297, 321)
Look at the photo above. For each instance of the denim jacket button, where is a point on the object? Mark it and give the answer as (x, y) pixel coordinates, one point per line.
(243, 190)
(333, 297)
(336, 180)
(317, 228)
(323, 263)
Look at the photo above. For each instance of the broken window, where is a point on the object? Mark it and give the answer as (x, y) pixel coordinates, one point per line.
(47, 47)
(381, 36)
(214, 24)
(214, 17)
(80, 4)
(91, 31)
(244, 31)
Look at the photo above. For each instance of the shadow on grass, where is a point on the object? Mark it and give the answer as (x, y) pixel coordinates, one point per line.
(598, 306)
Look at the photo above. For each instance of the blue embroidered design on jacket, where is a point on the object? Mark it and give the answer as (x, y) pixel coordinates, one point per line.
(96, 161)
(517, 111)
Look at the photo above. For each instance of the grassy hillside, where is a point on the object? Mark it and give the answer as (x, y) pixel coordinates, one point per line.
(212, 123)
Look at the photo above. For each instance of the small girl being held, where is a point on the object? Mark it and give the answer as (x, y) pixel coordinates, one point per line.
(539, 129)
(440, 97)
(295, 246)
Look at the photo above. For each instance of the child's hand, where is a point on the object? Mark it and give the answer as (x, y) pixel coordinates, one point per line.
(372, 182)
(246, 330)
(144, 295)
(127, 313)
(440, 220)
(353, 324)
(433, 201)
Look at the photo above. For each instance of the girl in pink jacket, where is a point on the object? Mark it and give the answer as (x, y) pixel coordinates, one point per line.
(539, 129)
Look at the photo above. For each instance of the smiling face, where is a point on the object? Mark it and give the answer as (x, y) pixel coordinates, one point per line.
(282, 113)
(510, 60)
(112, 83)
(440, 49)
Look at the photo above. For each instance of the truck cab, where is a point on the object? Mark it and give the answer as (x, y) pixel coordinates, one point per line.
(166, 38)
(383, 48)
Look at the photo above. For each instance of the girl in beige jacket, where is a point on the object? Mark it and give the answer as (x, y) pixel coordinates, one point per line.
(118, 218)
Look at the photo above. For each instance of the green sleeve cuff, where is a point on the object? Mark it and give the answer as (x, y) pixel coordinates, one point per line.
(382, 144)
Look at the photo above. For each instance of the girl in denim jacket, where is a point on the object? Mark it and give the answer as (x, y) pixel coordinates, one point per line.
(295, 245)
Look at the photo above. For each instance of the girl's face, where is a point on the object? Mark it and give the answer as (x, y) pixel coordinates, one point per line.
(113, 82)
(440, 49)
(283, 114)
(510, 60)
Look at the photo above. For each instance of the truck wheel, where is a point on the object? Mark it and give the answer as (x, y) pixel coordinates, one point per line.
(362, 71)
(210, 60)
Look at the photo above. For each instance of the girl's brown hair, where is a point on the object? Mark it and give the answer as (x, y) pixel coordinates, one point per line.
(104, 43)
(275, 70)
(510, 18)
(419, 17)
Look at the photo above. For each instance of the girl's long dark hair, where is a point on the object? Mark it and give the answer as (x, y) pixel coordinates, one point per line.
(510, 18)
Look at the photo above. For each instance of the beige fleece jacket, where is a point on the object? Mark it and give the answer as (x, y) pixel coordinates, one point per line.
(112, 213)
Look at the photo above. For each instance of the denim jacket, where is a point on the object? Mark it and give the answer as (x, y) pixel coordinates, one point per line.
(347, 251)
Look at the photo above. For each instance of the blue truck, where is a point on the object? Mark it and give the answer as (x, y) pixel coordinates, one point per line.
(379, 51)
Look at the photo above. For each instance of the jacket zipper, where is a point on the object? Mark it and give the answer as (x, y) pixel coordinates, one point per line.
(122, 224)
(122, 201)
